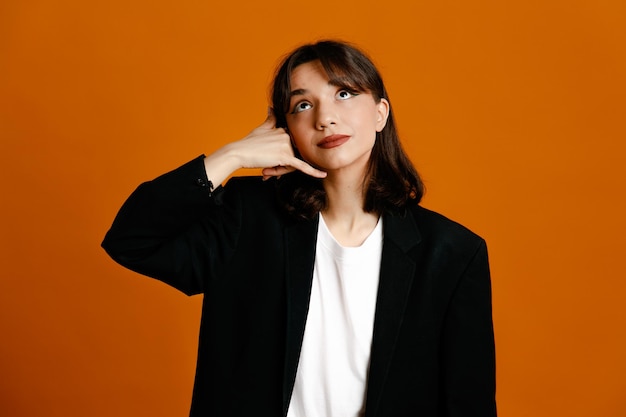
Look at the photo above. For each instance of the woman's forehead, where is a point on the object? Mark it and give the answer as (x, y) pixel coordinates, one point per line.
(308, 71)
(313, 71)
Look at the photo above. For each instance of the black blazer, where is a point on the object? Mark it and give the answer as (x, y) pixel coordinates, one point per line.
(432, 350)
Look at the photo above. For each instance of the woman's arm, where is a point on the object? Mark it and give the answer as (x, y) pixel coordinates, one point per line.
(176, 229)
(173, 229)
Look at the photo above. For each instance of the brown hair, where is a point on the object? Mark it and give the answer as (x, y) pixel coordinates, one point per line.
(391, 180)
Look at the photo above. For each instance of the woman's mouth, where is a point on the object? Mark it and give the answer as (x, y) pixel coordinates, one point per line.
(333, 141)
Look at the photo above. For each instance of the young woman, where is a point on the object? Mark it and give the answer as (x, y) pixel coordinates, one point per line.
(328, 291)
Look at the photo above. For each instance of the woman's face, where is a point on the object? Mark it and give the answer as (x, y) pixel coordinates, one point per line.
(332, 127)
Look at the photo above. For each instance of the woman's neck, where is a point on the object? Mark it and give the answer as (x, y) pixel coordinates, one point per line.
(344, 214)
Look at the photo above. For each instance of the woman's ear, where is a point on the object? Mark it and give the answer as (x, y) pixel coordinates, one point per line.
(382, 114)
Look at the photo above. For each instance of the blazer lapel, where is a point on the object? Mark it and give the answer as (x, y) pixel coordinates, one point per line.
(396, 277)
(300, 242)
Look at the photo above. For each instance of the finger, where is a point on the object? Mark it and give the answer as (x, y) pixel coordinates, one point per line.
(295, 164)
(307, 169)
(277, 171)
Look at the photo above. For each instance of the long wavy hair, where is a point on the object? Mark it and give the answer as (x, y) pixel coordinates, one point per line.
(391, 181)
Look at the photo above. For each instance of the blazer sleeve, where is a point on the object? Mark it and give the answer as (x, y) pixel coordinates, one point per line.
(468, 361)
(174, 229)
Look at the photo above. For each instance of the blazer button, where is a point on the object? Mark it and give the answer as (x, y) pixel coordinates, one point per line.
(201, 182)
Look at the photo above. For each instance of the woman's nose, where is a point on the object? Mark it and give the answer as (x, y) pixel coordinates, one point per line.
(326, 116)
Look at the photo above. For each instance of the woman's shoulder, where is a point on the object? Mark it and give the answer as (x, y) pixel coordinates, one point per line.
(436, 226)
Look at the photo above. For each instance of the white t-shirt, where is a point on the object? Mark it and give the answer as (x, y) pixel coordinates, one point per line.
(331, 380)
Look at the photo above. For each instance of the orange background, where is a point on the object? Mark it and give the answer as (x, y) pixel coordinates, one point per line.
(513, 111)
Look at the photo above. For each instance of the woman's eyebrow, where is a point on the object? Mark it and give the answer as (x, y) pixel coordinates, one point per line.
(335, 82)
(344, 82)
(298, 92)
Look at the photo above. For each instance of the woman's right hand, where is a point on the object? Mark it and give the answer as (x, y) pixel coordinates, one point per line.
(266, 147)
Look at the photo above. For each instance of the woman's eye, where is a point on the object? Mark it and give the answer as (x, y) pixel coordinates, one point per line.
(302, 106)
(344, 95)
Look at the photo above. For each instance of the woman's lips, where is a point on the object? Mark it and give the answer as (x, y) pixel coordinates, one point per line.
(333, 141)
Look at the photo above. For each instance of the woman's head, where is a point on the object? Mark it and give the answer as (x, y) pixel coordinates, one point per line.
(390, 180)
(341, 61)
